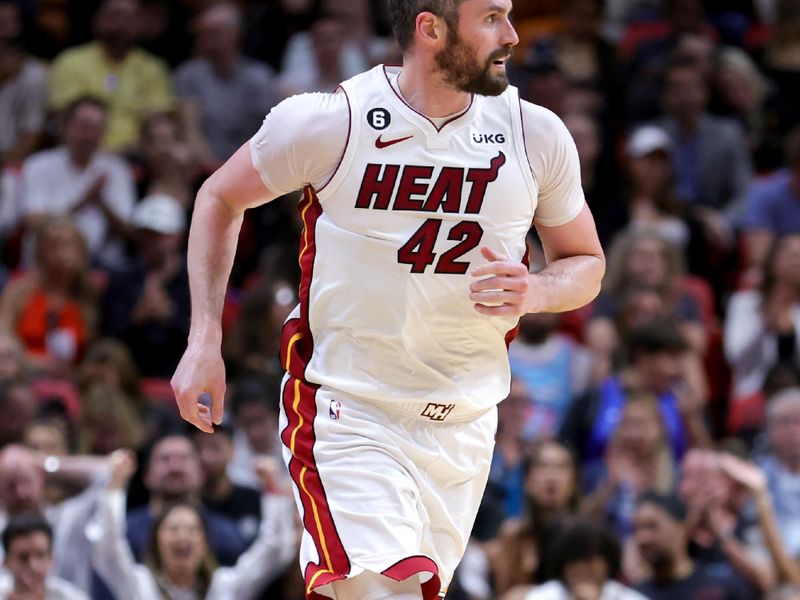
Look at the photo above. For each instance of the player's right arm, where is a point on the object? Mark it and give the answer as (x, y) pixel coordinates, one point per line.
(299, 144)
(217, 219)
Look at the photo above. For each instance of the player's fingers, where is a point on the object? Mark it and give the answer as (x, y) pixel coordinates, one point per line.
(496, 297)
(218, 403)
(506, 268)
(493, 255)
(190, 412)
(516, 284)
(497, 311)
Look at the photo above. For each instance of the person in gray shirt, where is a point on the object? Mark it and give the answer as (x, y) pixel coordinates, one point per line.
(223, 94)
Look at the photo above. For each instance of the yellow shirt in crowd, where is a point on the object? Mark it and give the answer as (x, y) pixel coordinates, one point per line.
(133, 88)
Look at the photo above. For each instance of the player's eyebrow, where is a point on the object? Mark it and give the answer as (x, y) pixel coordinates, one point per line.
(498, 8)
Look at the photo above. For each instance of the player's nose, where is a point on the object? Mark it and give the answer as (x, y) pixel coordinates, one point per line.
(510, 37)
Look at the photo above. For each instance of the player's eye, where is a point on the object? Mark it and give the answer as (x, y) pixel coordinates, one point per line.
(491, 18)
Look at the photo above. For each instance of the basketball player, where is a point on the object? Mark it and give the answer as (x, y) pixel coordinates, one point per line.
(420, 185)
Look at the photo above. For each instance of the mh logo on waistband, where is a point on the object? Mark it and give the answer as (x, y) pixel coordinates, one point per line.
(437, 412)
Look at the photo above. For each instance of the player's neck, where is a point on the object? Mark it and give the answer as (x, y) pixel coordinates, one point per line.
(423, 88)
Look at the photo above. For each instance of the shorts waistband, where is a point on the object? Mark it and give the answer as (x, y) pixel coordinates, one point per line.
(435, 411)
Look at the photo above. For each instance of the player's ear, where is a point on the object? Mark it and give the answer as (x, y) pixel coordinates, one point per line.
(431, 29)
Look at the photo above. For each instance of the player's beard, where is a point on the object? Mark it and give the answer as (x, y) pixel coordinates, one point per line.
(463, 70)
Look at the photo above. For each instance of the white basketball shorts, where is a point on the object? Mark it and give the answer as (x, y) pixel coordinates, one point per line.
(382, 488)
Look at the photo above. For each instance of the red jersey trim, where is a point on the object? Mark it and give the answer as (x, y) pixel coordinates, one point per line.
(407, 567)
(299, 404)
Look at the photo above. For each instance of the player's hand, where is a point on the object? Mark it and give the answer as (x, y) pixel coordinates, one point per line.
(506, 290)
(201, 371)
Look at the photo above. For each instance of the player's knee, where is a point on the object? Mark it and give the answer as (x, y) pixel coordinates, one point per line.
(373, 586)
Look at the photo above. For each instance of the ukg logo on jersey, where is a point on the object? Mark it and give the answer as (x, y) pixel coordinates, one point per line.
(487, 138)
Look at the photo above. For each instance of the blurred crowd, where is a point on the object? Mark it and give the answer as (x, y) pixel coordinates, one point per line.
(650, 445)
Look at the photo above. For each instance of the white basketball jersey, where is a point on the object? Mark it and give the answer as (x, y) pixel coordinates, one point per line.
(390, 241)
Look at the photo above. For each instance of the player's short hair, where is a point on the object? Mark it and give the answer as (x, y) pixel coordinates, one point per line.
(25, 524)
(404, 16)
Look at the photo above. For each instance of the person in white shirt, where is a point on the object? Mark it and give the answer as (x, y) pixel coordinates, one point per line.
(79, 180)
(28, 545)
(179, 564)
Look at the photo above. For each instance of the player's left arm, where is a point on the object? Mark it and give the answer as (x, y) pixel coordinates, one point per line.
(571, 279)
(575, 261)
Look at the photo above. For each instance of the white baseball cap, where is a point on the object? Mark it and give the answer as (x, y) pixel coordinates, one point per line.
(647, 139)
(159, 213)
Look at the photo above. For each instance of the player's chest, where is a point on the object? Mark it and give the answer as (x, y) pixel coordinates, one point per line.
(398, 169)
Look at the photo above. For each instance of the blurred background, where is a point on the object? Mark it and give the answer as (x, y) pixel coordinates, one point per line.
(651, 440)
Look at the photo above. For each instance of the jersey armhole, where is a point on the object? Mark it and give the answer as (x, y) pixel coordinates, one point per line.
(522, 149)
(329, 187)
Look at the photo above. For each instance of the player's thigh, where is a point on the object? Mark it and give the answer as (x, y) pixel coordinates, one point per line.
(372, 586)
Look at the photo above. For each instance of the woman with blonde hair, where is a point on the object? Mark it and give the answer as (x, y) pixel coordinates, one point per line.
(53, 308)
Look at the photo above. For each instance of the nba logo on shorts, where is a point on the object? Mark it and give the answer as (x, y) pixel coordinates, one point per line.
(333, 410)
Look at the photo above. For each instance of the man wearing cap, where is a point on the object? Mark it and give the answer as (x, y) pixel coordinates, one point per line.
(147, 303)
(662, 541)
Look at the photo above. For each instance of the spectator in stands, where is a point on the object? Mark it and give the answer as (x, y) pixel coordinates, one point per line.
(583, 560)
(23, 476)
(753, 482)
(723, 532)
(18, 407)
(253, 346)
(147, 304)
(48, 436)
(652, 204)
(554, 370)
(225, 94)
(507, 471)
(700, 144)
(551, 493)
(656, 365)
(723, 535)
(745, 94)
(13, 363)
(662, 540)
(79, 180)
(28, 546)
(178, 562)
(319, 59)
(168, 162)
(772, 210)
(599, 174)
(761, 325)
(109, 362)
(638, 260)
(53, 307)
(174, 474)
(781, 465)
(254, 404)
(23, 90)
(782, 52)
(581, 52)
(638, 459)
(132, 81)
(240, 504)
(109, 421)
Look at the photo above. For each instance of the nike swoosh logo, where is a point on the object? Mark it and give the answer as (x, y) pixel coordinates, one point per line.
(379, 143)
